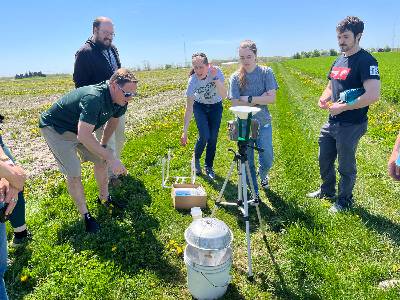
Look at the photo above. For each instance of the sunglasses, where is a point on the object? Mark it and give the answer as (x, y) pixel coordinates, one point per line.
(126, 94)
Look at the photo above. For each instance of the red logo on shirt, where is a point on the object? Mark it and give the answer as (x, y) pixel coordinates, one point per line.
(340, 73)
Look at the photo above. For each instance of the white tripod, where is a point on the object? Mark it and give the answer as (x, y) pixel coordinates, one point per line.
(242, 163)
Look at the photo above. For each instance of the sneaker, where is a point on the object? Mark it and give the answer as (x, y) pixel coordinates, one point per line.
(265, 183)
(335, 208)
(91, 224)
(257, 200)
(197, 166)
(110, 202)
(320, 195)
(210, 173)
(21, 238)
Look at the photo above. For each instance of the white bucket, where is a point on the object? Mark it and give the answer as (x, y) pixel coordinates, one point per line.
(207, 282)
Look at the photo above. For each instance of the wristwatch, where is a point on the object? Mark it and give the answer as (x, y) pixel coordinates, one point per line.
(249, 99)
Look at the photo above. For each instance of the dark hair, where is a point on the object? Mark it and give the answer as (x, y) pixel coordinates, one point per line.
(122, 76)
(242, 72)
(198, 54)
(98, 21)
(351, 23)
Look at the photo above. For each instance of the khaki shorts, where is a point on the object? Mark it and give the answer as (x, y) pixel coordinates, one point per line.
(65, 148)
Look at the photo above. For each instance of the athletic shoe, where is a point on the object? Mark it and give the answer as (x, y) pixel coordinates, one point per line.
(197, 166)
(21, 238)
(257, 200)
(91, 224)
(335, 208)
(210, 173)
(320, 195)
(265, 183)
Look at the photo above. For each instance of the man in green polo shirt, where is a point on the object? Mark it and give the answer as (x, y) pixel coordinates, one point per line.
(68, 130)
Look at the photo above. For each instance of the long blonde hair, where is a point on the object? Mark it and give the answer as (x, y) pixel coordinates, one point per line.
(242, 72)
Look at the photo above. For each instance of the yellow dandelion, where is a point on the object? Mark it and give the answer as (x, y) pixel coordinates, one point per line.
(24, 278)
(396, 268)
(179, 251)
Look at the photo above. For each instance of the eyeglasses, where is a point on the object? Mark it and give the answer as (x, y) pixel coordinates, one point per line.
(105, 32)
(127, 94)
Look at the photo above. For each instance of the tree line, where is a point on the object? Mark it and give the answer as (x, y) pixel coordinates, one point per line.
(30, 74)
(332, 52)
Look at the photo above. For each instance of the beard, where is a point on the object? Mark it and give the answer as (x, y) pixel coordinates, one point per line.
(102, 44)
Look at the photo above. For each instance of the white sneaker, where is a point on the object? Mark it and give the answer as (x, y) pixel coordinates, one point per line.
(335, 208)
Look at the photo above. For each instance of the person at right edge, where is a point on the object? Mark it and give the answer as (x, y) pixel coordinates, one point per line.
(355, 68)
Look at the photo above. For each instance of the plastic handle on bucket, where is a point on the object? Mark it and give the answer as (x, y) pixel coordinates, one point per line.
(217, 286)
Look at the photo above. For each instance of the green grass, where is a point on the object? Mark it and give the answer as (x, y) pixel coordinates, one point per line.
(307, 253)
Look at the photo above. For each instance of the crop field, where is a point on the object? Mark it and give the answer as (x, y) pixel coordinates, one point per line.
(138, 253)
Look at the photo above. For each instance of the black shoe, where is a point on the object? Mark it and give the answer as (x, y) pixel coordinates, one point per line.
(197, 166)
(21, 238)
(210, 173)
(110, 203)
(91, 224)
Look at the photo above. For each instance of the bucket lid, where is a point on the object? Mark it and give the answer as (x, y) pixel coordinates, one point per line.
(208, 234)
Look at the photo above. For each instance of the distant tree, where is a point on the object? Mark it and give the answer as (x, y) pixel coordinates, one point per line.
(146, 65)
(29, 74)
(333, 52)
(305, 54)
(167, 66)
(316, 53)
(297, 55)
(387, 49)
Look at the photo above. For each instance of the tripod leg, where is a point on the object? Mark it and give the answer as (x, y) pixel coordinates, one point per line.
(257, 206)
(240, 185)
(250, 179)
(246, 217)
(221, 192)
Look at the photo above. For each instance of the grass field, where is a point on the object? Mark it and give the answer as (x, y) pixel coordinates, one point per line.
(307, 254)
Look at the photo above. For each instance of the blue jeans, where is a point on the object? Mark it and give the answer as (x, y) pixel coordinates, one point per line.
(265, 158)
(17, 217)
(208, 119)
(3, 259)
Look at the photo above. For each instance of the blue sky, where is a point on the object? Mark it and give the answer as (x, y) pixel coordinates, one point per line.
(44, 35)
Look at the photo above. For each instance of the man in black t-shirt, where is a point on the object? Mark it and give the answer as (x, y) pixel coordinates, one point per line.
(339, 137)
